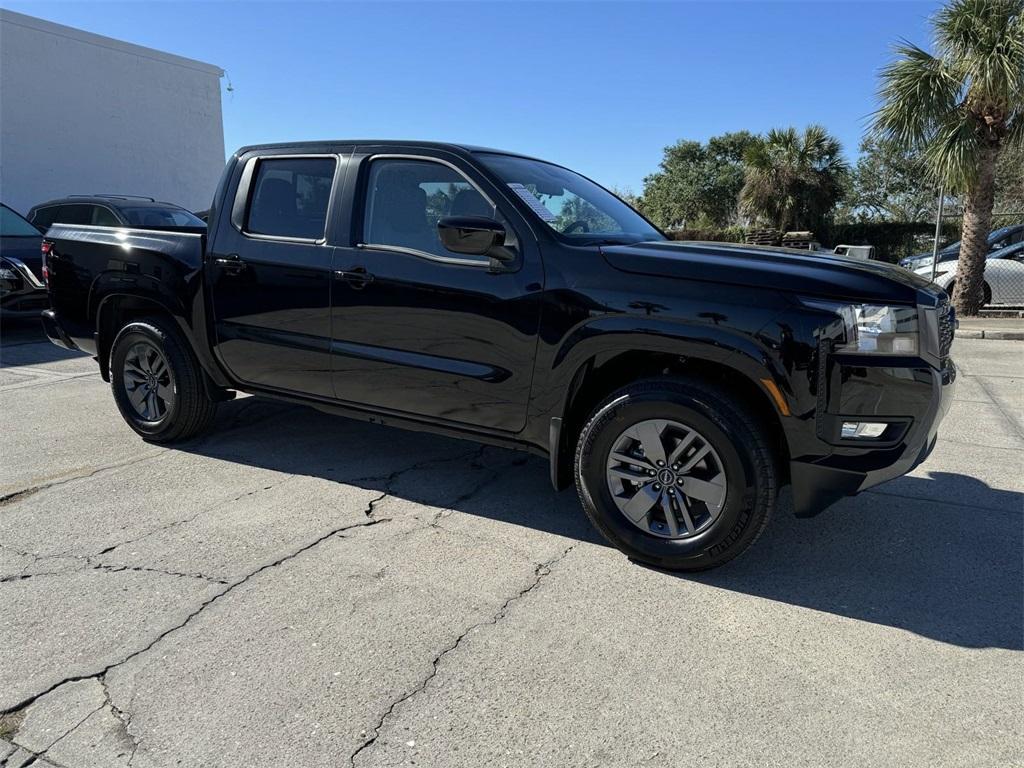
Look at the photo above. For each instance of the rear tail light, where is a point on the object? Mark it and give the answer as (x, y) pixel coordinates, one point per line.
(45, 248)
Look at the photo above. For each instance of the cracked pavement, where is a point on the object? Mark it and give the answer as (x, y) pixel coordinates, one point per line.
(298, 589)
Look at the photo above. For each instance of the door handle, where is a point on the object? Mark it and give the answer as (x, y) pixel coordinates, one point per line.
(357, 277)
(230, 263)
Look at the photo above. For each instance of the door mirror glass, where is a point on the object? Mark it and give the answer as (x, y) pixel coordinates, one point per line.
(470, 235)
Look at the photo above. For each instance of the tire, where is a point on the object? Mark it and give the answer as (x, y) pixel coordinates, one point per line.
(986, 292)
(717, 528)
(135, 365)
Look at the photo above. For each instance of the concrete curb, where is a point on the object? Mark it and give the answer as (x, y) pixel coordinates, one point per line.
(982, 333)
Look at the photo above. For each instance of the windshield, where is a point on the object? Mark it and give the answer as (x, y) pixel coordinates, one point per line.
(13, 225)
(575, 207)
(154, 216)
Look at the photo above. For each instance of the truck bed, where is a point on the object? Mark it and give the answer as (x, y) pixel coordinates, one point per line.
(88, 265)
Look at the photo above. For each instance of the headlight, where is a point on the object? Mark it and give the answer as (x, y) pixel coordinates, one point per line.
(879, 330)
(7, 271)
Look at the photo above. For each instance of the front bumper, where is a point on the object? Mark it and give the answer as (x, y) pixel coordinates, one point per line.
(848, 468)
(21, 293)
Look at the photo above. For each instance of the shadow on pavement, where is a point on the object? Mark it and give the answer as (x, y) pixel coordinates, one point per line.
(23, 342)
(949, 572)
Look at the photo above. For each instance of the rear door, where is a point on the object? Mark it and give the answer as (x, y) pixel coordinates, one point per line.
(269, 272)
(419, 330)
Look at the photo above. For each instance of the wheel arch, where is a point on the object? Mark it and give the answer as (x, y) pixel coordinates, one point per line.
(731, 367)
(115, 310)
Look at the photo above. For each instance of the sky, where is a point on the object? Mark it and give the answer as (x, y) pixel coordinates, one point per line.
(598, 87)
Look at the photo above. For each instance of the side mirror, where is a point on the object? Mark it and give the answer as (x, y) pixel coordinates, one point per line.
(472, 235)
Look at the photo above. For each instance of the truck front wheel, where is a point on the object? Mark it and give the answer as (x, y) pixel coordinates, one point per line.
(675, 474)
(157, 382)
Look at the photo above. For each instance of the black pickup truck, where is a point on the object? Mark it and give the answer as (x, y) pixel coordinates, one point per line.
(512, 301)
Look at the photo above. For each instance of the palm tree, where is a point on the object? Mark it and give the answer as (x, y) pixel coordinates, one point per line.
(793, 180)
(962, 106)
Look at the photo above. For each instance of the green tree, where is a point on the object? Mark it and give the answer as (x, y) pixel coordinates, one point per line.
(891, 183)
(961, 106)
(793, 180)
(697, 184)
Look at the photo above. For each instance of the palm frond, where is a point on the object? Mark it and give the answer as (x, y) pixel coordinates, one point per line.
(954, 152)
(986, 39)
(918, 92)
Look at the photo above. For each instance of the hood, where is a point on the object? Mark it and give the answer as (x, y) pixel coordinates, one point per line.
(26, 250)
(782, 269)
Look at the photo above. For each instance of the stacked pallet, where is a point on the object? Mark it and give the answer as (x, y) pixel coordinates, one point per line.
(801, 240)
(762, 237)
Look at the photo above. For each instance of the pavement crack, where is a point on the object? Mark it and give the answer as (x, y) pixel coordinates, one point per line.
(29, 700)
(20, 495)
(540, 571)
(193, 517)
(145, 569)
(123, 716)
(12, 736)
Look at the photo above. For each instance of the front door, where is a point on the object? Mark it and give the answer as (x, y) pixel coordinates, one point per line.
(270, 275)
(419, 330)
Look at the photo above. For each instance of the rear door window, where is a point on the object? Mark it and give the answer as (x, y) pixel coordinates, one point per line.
(290, 197)
(77, 213)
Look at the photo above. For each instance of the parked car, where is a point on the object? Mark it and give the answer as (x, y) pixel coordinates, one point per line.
(22, 292)
(509, 300)
(1004, 276)
(855, 251)
(112, 211)
(997, 239)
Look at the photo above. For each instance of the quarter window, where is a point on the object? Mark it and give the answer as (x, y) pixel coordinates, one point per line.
(44, 217)
(406, 198)
(290, 197)
(104, 217)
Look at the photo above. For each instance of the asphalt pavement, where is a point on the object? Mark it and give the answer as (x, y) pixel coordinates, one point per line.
(296, 589)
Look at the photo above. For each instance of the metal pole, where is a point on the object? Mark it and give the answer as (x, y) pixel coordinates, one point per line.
(938, 231)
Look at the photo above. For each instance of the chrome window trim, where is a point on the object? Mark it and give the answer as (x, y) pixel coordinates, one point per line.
(452, 260)
(256, 160)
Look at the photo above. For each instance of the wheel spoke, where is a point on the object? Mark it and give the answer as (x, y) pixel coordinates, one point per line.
(137, 397)
(649, 435)
(625, 458)
(152, 406)
(641, 503)
(684, 512)
(159, 366)
(165, 393)
(699, 454)
(134, 368)
(628, 473)
(670, 515)
(711, 493)
(680, 449)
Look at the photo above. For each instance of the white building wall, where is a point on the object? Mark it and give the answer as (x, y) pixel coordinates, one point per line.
(85, 114)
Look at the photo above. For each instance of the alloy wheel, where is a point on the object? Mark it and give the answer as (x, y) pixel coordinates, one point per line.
(666, 478)
(148, 382)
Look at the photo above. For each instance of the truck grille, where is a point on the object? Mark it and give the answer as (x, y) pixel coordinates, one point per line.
(947, 327)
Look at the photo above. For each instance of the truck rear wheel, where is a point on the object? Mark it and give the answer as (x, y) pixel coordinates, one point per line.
(675, 474)
(157, 382)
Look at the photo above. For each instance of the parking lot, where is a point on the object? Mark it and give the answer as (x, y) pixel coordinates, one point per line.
(295, 589)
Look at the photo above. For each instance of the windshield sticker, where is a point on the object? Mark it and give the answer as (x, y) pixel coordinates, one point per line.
(531, 200)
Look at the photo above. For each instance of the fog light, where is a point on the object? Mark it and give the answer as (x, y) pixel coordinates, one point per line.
(868, 429)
